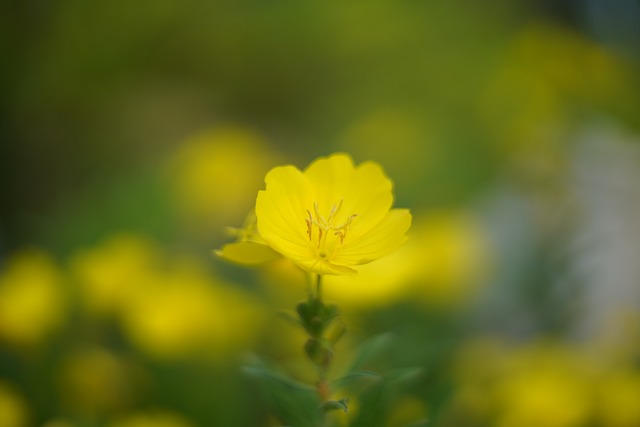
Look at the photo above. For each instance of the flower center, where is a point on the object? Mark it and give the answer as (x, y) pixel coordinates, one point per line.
(326, 228)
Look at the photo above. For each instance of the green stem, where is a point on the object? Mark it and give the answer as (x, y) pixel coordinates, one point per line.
(319, 287)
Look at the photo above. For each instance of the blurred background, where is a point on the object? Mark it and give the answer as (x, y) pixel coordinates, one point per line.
(134, 132)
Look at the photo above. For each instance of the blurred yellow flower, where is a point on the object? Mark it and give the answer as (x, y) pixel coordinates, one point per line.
(450, 257)
(414, 152)
(619, 395)
(332, 216)
(152, 419)
(32, 301)
(377, 284)
(442, 264)
(542, 384)
(182, 311)
(94, 381)
(110, 274)
(215, 173)
(13, 409)
(544, 397)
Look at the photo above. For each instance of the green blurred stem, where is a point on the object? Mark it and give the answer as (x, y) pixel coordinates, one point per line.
(319, 287)
(322, 386)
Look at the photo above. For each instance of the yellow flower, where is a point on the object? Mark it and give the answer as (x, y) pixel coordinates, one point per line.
(331, 216)
(13, 408)
(157, 418)
(32, 298)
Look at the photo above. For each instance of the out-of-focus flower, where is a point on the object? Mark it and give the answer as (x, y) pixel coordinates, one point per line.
(543, 384)
(169, 308)
(332, 216)
(217, 173)
(110, 274)
(449, 255)
(403, 138)
(618, 397)
(94, 381)
(444, 262)
(545, 388)
(152, 419)
(376, 284)
(573, 64)
(184, 312)
(13, 408)
(32, 300)
(547, 70)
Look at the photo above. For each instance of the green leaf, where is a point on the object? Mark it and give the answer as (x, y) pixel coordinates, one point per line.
(291, 316)
(291, 401)
(336, 333)
(277, 377)
(329, 312)
(375, 401)
(370, 349)
(361, 378)
(332, 405)
(399, 377)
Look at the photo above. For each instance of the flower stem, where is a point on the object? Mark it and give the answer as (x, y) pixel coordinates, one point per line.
(319, 287)
(318, 319)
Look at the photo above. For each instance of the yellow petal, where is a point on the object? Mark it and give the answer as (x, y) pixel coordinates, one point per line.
(320, 266)
(330, 177)
(369, 196)
(247, 253)
(364, 191)
(384, 238)
(281, 212)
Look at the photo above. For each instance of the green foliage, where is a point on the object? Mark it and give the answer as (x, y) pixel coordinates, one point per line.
(291, 401)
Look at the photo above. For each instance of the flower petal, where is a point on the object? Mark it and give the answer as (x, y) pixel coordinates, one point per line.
(330, 177)
(321, 266)
(384, 238)
(247, 253)
(281, 212)
(364, 191)
(369, 196)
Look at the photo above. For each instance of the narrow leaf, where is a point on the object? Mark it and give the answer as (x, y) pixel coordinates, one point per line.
(370, 349)
(355, 377)
(290, 316)
(332, 405)
(282, 379)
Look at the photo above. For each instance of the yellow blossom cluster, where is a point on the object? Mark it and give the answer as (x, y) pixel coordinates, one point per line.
(544, 384)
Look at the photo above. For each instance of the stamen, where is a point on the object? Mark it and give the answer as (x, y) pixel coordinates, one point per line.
(309, 224)
(346, 227)
(325, 225)
(320, 217)
(334, 211)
